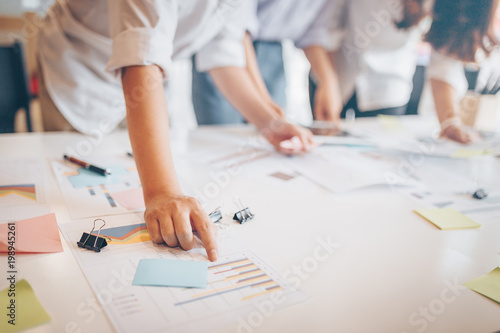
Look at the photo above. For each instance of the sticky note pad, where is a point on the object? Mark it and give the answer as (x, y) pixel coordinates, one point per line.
(171, 273)
(487, 285)
(27, 311)
(130, 199)
(390, 122)
(447, 218)
(36, 235)
(466, 153)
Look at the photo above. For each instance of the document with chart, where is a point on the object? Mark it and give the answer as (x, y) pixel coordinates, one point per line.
(239, 283)
(90, 194)
(23, 190)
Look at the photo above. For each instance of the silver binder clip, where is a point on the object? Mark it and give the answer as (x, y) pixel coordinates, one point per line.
(243, 214)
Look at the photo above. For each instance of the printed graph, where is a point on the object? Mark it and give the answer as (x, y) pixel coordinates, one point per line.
(90, 194)
(130, 234)
(237, 280)
(27, 191)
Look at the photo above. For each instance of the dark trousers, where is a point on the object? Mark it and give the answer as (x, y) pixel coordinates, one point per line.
(352, 104)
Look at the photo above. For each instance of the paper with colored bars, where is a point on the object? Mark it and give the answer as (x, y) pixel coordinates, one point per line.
(128, 234)
(22, 189)
(236, 283)
(88, 194)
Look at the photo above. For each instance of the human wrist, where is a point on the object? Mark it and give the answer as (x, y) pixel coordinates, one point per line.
(448, 122)
(152, 192)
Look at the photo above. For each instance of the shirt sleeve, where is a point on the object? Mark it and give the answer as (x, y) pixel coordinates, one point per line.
(328, 29)
(253, 25)
(451, 71)
(227, 49)
(142, 33)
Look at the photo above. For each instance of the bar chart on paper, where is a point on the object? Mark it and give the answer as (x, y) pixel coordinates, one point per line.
(240, 278)
(236, 281)
(90, 194)
(22, 189)
(124, 235)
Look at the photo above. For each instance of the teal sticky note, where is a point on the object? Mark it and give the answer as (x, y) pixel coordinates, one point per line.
(86, 178)
(171, 273)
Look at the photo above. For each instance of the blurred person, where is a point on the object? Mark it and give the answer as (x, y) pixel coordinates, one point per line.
(306, 23)
(102, 61)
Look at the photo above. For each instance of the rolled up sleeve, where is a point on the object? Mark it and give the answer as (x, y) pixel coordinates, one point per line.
(142, 33)
(328, 29)
(226, 49)
(451, 71)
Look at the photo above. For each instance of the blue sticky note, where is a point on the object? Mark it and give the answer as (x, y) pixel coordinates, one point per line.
(171, 273)
(86, 178)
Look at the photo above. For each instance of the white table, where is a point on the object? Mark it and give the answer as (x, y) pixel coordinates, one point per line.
(390, 267)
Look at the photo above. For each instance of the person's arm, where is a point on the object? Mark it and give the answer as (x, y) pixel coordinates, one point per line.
(327, 100)
(252, 67)
(236, 84)
(446, 103)
(170, 216)
(449, 85)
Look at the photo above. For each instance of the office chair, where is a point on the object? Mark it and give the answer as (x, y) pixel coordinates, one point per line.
(14, 91)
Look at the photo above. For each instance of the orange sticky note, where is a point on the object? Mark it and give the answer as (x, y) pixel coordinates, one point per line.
(36, 235)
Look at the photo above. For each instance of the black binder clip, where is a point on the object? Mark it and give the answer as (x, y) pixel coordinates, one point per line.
(216, 215)
(244, 214)
(93, 242)
(480, 194)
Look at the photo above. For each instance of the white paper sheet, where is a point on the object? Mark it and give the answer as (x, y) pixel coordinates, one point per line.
(237, 283)
(23, 190)
(341, 170)
(99, 199)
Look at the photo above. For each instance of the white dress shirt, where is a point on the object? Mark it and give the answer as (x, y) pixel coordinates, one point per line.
(306, 23)
(374, 57)
(85, 43)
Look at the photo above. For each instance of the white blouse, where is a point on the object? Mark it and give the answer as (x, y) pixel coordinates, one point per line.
(84, 44)
(374, 57)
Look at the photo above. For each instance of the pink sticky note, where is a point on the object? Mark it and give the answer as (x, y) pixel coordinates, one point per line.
(36, 235)
(130, 199)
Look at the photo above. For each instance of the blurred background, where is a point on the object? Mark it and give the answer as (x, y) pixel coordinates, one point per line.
(20, 20)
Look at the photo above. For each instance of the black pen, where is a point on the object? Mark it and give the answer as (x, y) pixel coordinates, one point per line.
(88, 166)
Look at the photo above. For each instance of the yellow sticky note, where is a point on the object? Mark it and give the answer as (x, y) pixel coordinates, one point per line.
(390, 123)
(447, 218)
(23, 308)
(467, 153)
(487, 285)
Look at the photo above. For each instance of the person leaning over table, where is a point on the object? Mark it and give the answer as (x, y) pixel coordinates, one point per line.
(462, 31)
(93, 53)
(306, 24)
(375, 54)
(375, 70)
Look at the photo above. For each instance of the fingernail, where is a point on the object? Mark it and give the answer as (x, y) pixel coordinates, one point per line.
(213, 255)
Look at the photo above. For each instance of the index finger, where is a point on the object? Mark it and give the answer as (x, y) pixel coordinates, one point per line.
(205, 228)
